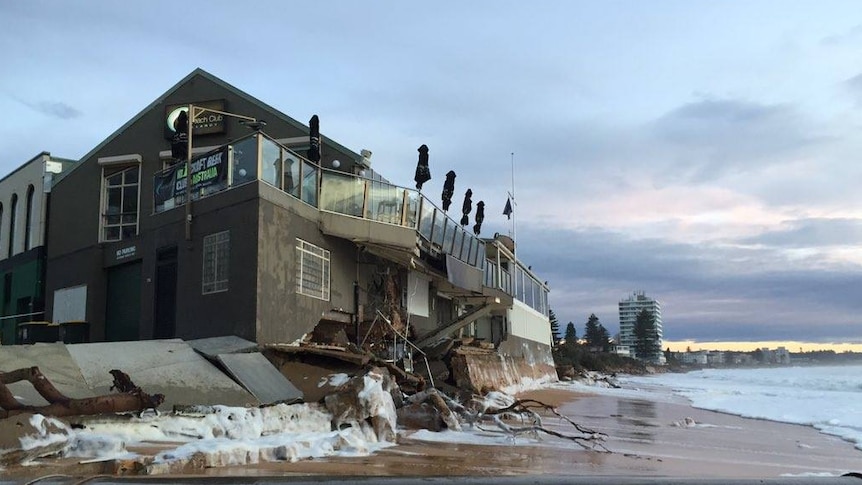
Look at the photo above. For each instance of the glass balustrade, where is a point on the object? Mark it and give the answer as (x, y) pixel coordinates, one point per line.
(258, 157)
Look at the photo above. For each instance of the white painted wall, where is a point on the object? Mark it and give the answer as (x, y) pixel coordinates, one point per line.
(527, 323)
(31, 173)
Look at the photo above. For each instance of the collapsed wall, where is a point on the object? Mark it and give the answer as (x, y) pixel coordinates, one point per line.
(516, 365)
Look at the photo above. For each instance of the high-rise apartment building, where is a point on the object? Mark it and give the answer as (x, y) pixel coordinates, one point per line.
(629, 309)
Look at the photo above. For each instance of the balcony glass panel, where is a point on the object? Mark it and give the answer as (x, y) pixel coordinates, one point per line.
(465, 246)
(342, 194)
(457, 242)
(474, 251)
(439, 225)
(292, 166)
(426, 219)
(384, 202)
(519, 284)
(528, 291)
(270, 163)
(412, 208)
(505, 281)
(245, 161)
(309, 184)
(449, 235)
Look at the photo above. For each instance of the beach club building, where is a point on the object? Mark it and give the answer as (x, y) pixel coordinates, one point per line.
(258, 238)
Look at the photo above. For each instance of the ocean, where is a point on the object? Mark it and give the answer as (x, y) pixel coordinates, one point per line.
(829, 398)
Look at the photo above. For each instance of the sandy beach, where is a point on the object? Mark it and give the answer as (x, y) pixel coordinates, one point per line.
(641, 438)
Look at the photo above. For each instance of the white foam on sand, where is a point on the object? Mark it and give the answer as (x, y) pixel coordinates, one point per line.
(223, 435)
(333, 380)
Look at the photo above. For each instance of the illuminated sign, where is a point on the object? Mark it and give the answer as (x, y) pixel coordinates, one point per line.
(205, 123)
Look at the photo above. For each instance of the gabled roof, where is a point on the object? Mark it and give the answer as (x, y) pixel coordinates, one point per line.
(228, 87)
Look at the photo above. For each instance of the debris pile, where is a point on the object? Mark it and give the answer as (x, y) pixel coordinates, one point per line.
(355, 401)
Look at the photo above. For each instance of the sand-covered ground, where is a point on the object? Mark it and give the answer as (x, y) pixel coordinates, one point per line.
(642, 439)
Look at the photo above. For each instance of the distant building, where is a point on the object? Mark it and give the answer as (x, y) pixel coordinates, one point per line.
(630, 307)
(700, 357)
(24, 197)
(623, 350)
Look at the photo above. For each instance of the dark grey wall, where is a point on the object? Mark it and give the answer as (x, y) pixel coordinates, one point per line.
(76, 257)
(285, 315)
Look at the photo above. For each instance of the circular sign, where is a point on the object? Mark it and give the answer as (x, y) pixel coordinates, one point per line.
(172, 117)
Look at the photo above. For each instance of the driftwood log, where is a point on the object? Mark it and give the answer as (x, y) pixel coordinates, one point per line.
(525, 411)
(130, 397)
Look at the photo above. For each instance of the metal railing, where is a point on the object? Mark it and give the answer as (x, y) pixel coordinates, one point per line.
(259, 157)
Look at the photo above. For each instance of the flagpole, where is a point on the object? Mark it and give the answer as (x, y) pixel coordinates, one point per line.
(514, 214)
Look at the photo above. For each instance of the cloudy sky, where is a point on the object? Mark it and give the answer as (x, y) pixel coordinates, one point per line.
(706, 153)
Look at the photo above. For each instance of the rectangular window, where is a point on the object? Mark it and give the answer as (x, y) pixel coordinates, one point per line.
(216, 262)
(120, 204)
(312, 270)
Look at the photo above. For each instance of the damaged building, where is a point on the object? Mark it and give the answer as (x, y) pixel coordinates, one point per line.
(275, 234)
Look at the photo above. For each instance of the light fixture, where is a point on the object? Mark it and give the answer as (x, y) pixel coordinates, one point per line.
(336, 164)
(362, 173)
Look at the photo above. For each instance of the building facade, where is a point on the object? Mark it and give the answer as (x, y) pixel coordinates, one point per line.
(24, 195)
(629, 308)
(254, 238)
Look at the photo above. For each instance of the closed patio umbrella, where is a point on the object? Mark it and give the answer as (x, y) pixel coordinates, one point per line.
(313, 153)
(423, 173)
(466, 208)
(480, 216)
(448, 189)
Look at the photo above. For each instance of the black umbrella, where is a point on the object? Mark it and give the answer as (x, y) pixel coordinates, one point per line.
(313, 153)
(466, 208)
(448, 189)
(480, 216)
(423, 173)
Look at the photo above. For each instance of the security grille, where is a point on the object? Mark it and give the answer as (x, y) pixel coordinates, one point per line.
(312, 273)
(216, 262)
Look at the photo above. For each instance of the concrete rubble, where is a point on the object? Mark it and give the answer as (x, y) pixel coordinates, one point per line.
(342, 399)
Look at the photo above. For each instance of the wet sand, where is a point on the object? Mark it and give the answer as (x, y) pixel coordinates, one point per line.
(641, 438)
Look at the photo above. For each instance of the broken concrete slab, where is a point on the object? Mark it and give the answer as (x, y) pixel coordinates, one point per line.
(255, 373)
(170, 367)
(229, 344)
(362, 398)
(28, 436)
(55, 362)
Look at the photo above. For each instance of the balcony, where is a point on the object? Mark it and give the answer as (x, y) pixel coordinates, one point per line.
(363, 210)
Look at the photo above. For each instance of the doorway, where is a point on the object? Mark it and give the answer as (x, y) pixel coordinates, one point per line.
(165, 312)
(123, 306)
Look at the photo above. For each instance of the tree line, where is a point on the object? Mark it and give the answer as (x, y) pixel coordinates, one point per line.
(598, 339)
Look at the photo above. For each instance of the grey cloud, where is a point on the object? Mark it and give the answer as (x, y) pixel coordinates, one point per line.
(708, 293)
(854, 84)
(813, 232)
(56, 109)
(713, 137)
(844, 37)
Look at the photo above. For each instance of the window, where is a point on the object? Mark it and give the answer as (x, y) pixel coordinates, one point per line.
(216, 262)
(120, 204)
(1, 224)
(13, 208)
(28, 221)
(312, 273)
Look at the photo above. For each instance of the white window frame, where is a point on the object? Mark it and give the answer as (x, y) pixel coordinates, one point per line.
(110, 171)
(217, 246)
(313, 262)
